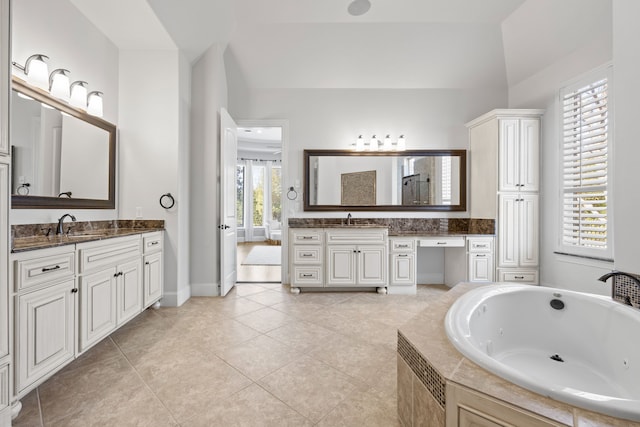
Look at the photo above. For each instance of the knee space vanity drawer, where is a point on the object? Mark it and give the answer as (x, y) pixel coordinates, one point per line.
(152, 242)
(480, 245)
(97, 255)
(306, 236)
(37, 270)
(457, 241)
(307, 276)
(307, 254)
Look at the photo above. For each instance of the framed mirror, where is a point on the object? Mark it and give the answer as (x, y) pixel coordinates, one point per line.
(61, 156)
(416, 180)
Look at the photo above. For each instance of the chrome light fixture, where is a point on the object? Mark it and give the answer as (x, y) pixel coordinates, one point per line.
(373, 145)
(387, 145)
(79, 94)
(94, 103)
(401, 145)
(59, 84)
(360, 143)
(36, 70)
(376, 145)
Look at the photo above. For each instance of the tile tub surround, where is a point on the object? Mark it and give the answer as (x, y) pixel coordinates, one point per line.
(25, 237)
(406, 226)
(425, 336)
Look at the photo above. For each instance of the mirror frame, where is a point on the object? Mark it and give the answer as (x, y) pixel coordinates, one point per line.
(462, 206)
(47, 202)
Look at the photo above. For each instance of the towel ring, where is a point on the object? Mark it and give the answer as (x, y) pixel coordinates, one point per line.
(292, 194)
(167, 204)
(23, 189)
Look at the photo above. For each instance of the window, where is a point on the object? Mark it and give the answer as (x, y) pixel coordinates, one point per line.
(276, 193)
(258, 173)
(586, 197)
(240, 179)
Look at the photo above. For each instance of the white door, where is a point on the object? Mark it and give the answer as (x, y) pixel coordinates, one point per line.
(228, 232)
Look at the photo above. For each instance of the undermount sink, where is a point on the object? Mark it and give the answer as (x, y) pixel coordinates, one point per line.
(83, 236)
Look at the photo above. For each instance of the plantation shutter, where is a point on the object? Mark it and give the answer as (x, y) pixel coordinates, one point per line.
(585, 144)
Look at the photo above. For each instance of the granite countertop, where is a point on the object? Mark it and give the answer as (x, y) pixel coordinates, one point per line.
(28, 237)
(406, 226)
(426, 333)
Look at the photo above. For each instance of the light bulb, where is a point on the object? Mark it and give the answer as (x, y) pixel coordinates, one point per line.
(373, 146)
(402, 143)
(37, 71)
(360, 143)
(79, 94)
(94, 101)
(387, 143)
(59, 84)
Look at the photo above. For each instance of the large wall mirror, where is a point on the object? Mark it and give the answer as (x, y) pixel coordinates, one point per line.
(417, 180)
(61, 156)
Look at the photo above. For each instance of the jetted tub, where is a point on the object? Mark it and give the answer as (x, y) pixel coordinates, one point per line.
(578, 348)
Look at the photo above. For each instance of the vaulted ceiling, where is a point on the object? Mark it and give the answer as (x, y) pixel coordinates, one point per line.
(398, 44)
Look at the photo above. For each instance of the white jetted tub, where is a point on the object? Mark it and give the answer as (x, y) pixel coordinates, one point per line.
(578, 348)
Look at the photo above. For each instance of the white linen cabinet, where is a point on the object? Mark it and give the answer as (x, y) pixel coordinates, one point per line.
(504, 174)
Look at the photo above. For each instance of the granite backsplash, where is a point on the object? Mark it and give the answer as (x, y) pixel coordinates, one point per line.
(406, 226)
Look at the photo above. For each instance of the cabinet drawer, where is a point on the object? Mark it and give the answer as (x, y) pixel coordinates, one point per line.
(475, 244)
(357, 236)
(152, 242)
(457, 241)
(307, 254)
(309, 276)
(306, 236)
(521, 276)
(404, 245)
(34, 271)
(103, 255)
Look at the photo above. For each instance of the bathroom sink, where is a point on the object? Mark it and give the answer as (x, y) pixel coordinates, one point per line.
(84, 236)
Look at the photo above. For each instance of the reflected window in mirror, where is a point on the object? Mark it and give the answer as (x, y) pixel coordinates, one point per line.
(62, 157)
(419, 180)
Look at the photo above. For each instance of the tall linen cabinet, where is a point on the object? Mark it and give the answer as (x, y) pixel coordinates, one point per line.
(504, 148)
(5, 161)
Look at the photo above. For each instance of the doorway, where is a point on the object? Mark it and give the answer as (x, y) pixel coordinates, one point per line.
(259, 201)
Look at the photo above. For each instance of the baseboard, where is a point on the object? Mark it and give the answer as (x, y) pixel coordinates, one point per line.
(176, 299)
(205, 290)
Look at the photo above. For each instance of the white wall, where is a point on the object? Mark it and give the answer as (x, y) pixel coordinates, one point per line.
(57, 29)
(209, 94)
(150, 146)
(333, 118)
(540, 90)
(626, 61)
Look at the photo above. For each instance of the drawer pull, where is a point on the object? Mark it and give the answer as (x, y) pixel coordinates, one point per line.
(306, 255)
(154, 243)
(481, 246)
(441, 243)
(403, 255)
(480, 255)
(403, 246)
(307, 275)
(307, 237)
(519, 277)
(45, 269)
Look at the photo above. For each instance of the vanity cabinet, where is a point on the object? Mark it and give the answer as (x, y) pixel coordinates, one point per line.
(45, 312)
(402, 266)
(110, 286)
(480, 259)
(306, 258)
(152, 244)
(5, 309)
(505, 181)
(356, 257)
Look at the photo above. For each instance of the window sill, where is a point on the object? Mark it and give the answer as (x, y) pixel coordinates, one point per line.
(584, 260)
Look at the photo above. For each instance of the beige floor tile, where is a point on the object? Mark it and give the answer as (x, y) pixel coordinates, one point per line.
(296, 309)
(301, 336)
(245, 289)
(259, 356)
(231, 306)
(312, 387)
(30, 414)
(362, 409)
(270, 297)
(265, 319)
(250, 407)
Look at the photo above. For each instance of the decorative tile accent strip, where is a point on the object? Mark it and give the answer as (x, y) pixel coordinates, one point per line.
(407, 226)
(428, 376)
(625, 288)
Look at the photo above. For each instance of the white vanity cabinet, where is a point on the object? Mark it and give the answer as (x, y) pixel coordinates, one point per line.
(480, 259)
(45, 312)
(402, 265)
(357, 257)
(110, 286)
(152, 246)
(306, 249)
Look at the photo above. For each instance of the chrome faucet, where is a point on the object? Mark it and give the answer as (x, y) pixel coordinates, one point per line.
(349, 218)
(60, 229)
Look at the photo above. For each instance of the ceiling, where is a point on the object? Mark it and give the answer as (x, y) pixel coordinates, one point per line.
(317, 44)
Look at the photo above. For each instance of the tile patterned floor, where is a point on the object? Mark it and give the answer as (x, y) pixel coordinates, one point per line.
(258, 357)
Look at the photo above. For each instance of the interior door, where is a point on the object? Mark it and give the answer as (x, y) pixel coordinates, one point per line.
(228, 231)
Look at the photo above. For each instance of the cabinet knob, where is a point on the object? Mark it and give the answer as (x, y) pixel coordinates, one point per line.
(146, 263)
(74, 290)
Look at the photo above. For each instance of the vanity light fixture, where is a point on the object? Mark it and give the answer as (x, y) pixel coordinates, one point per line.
(94, 103)
(360, 143)
(79, 94)
(376, 145)
(401, 145)
(387, 145)
(59, 84)
(36, 70)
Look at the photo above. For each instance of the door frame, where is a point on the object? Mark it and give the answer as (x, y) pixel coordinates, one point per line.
(287, 204)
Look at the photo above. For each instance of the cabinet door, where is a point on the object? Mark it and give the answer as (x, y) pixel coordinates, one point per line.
(480, 267)
(371, 266)
(45, 338)
(509, 158)
(403, 269)
(97, 306)
(529, 155)
(4, 256)
(528, 225)
(129, 290)
(152, 278)
(341, 265)
(508, 232)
